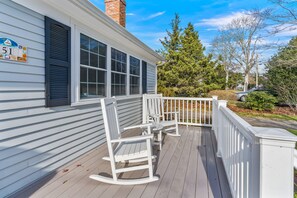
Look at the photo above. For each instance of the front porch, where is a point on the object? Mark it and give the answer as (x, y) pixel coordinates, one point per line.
(187, 166)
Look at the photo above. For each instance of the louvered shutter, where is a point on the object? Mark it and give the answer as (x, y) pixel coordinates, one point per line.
(144, 77)
(57, 63)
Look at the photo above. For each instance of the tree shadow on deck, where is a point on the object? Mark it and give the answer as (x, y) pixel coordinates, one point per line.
(213, 166)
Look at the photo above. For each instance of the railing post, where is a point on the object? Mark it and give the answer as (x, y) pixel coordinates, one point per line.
(144, 108)
(275, 163)
(220, 126)
(214, 113)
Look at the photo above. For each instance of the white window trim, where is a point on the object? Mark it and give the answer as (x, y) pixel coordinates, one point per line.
(75, 71)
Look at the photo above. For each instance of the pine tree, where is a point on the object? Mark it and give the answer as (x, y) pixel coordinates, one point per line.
(167, 79)
(187, 71)
(198, 74)
(282, 74)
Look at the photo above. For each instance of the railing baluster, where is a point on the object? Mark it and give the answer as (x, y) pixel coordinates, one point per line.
(204, 120)
(187, 112)
(183, 111)
(171, 109)
(209, 112)
(196, 109)
(200, 116)
(191, 111)
(175, 108)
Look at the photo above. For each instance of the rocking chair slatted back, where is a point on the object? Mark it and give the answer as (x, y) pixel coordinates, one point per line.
(112, 127)
(153, 111)
(154, 106)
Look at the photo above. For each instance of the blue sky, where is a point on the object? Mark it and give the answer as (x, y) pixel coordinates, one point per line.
(149, 19)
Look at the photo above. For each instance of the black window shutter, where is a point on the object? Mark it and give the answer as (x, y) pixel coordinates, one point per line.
(57, 63)
(144, 77)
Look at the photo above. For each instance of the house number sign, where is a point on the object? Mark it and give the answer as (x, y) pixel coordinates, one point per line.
(11, 50)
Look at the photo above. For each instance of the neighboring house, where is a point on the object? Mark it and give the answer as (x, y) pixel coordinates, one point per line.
(49, 97)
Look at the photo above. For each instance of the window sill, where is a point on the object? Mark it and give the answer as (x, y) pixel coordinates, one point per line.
(86, 102)
(128, 97)
(97, 100)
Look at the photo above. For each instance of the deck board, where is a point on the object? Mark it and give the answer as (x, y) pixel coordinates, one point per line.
(187, 166)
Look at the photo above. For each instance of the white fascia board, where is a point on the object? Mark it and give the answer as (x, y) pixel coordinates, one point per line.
(88, 14)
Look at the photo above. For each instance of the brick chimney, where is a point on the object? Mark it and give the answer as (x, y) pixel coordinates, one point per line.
(116, 9)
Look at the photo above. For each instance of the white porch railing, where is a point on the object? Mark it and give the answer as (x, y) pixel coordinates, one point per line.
(258, 161)
(192, 111)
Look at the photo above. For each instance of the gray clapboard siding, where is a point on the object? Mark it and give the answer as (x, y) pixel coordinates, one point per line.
(151, 79)
(34, 140)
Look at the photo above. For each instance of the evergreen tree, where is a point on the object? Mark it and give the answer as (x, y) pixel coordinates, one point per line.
(282, 74)
(187, 71)
(166, 77)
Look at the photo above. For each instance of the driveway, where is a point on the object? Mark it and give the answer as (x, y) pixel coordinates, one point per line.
(264, 122)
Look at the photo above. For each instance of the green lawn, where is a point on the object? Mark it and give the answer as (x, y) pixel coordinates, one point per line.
(268, 115)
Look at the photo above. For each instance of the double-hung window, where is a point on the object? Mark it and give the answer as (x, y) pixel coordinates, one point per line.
(118, 72)
(134, 75)
(92, 68)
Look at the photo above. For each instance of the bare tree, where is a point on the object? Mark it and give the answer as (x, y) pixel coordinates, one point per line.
(244, 38)
(283, 15)
(223, 50)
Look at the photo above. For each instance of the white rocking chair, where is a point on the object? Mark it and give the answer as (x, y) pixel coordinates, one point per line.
(153, 111)
(131, 149)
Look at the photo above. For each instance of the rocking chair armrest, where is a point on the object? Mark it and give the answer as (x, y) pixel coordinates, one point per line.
(171, 112)
(138, 126)
(154, 115)
(133, 139)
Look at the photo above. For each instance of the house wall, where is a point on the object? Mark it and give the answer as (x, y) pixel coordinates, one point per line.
(151, 79)
(35, 140)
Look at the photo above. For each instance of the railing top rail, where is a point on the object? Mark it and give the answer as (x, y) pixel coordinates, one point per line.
(187, 98)
(253, 133)
(240, 123)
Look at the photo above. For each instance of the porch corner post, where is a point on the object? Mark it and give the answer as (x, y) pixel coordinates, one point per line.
(276, 162)
(220, 126)
(144, 105)
(214, 113)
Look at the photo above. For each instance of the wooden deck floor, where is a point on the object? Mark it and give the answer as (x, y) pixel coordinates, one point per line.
(187, 167)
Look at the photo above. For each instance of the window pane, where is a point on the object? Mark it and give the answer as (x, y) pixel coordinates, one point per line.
(83, 90)
(124, 67)
(134, 85)
(83, 74)
(113, 54)
(84, 42)
(117, 78)
(101, 76)
(102, 49)
(84, 57)
(93, 60)
(123, 79)
(113, 63)
(94, 46)
(102, 62)
(134, 66)
(92, 75)
(92, 90)
(101, 90)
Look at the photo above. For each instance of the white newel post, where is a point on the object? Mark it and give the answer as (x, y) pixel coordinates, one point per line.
(220, 125)
(214, 113)
(276, 162)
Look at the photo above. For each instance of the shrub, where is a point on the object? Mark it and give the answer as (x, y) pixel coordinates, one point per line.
(260, 100)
